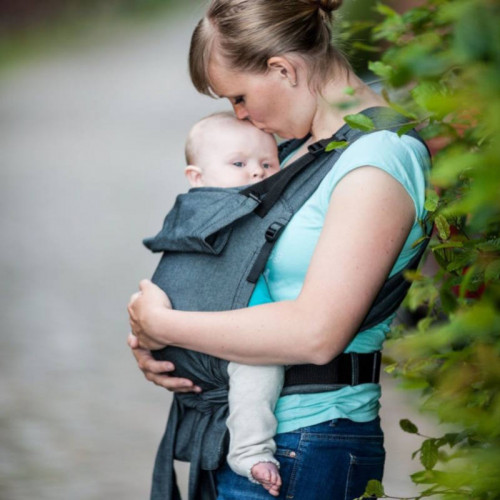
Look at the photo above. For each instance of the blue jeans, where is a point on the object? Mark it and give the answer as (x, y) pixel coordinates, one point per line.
(329, 461)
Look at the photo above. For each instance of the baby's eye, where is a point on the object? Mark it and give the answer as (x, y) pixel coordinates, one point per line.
(266, 165)
(238, 100)
(238, 164)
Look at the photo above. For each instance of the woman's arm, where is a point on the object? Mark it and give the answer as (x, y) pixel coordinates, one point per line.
(368, 220)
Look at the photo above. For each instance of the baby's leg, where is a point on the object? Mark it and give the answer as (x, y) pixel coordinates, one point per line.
(253, 392)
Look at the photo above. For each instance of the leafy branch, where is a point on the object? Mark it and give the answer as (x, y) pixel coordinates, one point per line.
(441, 69)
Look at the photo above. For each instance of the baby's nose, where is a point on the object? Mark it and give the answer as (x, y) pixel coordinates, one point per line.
(258, 171)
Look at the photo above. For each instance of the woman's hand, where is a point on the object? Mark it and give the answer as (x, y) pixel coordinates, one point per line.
(144, 309)
(158, 371)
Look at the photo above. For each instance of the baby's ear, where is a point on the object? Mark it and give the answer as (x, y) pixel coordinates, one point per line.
(194, 175)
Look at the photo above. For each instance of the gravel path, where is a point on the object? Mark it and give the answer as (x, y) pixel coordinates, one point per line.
(90, 159)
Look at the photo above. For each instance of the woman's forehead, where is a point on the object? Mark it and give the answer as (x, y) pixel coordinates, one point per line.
(223, 81)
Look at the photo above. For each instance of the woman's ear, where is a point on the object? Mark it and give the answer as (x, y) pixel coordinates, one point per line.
(194, 176)
(284, 67)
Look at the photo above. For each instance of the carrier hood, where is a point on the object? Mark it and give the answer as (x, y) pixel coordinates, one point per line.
(200, 220)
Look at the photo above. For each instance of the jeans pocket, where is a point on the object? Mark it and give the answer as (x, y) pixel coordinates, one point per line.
(361, 470)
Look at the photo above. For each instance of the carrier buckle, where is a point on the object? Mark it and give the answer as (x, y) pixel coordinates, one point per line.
(316, 148)
(273, 231)
(255, 196)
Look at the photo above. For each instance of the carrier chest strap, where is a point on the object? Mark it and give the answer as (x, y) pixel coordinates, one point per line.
(272, 233)
(268, 193)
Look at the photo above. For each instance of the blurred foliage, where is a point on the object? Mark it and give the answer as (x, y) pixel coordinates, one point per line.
(355, 21)
(18, 15)
(441, 68)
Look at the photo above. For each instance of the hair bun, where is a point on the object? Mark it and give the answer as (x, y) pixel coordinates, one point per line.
(328, 6)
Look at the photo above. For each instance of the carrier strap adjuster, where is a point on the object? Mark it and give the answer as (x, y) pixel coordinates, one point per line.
(273, 231)
(254, 196)
(316, 147)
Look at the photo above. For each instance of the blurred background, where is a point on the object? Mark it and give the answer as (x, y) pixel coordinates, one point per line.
(95, 103)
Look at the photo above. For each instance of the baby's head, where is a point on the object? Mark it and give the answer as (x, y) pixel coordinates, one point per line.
(222, 151)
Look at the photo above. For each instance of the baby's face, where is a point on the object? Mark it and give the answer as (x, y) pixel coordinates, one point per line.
(237, 154)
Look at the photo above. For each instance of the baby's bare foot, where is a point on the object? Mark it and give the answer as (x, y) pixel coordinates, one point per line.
(266, 473)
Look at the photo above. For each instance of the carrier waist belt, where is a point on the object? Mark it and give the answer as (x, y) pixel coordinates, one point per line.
(346, 369)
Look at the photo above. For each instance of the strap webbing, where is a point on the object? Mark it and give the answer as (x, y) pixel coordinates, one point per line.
(346, 369)
(393, 291)
(272, 233)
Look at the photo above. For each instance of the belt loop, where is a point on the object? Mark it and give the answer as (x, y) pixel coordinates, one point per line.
(354, 368)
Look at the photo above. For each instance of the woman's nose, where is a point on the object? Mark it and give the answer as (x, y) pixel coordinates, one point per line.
(240, 112)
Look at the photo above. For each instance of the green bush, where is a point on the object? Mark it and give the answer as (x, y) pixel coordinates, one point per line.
(441, 69)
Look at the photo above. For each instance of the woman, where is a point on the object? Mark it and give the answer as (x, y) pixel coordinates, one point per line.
(275, 61)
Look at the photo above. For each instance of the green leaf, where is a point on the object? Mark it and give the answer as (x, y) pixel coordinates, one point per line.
(448, 300)
(360, 122)
(414, 384)
(405, 128)
(418, 241)
(390, 368)
(380, 69)
(492, 271)
(349, 91)
(424, 324)
(429, 454)
(491, 245)
(442, 226)
(408, 426)
(448, 244)
(431, 200)
(459, 261)
(402, 110)
(386, 11)
(423, 477)
(365, 47)
(336, 145)
(452, 438)
(374, 488)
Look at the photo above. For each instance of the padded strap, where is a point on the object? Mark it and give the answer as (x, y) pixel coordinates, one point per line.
(346, 369)
(393, 291)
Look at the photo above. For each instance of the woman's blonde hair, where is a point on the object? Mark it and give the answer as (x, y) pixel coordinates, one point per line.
(246, 33)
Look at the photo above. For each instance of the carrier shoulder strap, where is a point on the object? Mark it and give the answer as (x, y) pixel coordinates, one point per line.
(347, 368)
(269, 191)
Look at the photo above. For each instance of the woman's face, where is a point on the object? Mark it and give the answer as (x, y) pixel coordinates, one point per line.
(273, 101)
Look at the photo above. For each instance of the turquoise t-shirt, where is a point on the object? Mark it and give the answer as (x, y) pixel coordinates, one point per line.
(407, 160)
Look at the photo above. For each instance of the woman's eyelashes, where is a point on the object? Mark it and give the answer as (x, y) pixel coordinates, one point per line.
(239, 100)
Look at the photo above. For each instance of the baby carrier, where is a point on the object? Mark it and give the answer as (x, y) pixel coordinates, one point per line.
(215, 244)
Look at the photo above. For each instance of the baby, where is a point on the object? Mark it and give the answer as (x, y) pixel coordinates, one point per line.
(222, 151)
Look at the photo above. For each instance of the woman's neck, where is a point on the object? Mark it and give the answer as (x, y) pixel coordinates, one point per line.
(334, 103)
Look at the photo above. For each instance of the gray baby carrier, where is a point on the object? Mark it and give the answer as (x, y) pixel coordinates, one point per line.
(215, 244)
